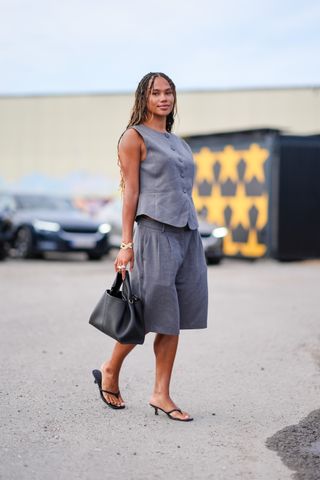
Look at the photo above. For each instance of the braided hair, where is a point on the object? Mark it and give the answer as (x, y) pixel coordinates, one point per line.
(139, 113)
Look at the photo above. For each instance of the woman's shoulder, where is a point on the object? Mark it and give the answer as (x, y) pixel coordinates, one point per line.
(130, 137)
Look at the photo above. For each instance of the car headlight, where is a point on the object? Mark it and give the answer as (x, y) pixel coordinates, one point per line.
(219, 232)
(104, 228)
(46, 226)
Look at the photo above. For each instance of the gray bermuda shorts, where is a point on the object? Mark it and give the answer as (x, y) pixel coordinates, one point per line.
(170, 276)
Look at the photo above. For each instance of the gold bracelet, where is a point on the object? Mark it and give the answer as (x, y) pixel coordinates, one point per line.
(124, 245)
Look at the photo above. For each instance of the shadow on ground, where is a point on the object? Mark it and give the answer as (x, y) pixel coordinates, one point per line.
(298, 446)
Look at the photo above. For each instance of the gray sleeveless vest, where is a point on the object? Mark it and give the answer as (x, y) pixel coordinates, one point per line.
(166, 179)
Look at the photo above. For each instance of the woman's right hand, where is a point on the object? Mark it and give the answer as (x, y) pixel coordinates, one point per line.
(124, 257)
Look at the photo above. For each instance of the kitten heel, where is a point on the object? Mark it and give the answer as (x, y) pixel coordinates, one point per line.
(155, 409)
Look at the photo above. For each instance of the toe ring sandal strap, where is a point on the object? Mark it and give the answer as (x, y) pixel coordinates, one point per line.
(98, 380)
(174, 410)
(111, 393)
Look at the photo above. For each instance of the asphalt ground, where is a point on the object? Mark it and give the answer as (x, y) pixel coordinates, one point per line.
(251, 380)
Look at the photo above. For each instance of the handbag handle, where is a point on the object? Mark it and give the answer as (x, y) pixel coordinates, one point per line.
(117, 283)
(126, 289)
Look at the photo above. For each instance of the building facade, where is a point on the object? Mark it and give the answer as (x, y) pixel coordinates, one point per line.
(68, 143)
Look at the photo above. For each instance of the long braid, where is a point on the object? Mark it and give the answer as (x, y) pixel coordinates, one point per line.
(139, 111)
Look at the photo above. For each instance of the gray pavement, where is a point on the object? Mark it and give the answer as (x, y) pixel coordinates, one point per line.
(251, 380)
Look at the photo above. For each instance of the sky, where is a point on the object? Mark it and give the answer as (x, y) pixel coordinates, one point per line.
(102, 46)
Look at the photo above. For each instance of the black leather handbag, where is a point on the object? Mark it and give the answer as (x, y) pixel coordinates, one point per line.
(119, 313)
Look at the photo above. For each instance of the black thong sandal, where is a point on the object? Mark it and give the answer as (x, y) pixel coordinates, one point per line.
(188, 419)
(98, 380)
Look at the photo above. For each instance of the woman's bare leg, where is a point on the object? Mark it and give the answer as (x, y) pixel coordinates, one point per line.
(110, 370)
(165, 348)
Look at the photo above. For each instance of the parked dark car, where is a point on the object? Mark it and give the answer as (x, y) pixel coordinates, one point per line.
(45, 223)
(5, 231)
(212, 235)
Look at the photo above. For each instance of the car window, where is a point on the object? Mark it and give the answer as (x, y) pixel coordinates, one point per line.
(6, 203)
(43, 202)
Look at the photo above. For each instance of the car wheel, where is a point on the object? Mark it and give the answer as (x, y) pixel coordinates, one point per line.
(94, 256)
(3, 251)
(24, 243)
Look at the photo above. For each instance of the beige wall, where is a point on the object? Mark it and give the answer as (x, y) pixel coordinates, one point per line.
(56, 135)
(293, 110)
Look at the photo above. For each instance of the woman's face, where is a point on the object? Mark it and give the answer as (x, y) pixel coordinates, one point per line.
(161, 99)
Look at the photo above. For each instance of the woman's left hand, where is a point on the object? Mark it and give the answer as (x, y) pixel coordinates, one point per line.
(124, 257)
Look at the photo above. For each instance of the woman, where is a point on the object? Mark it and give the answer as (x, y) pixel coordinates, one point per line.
(166, 258)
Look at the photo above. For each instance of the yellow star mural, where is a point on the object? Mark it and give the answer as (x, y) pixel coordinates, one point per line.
(199, 201)
(229, 247)
(249, 249)
(215, 205)
(204, 161)
(240, 205)
(252, 248)
(229, 159)
(255, 157)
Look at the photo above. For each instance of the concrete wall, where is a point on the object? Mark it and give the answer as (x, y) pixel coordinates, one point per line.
(293, 110)
(59, 136)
